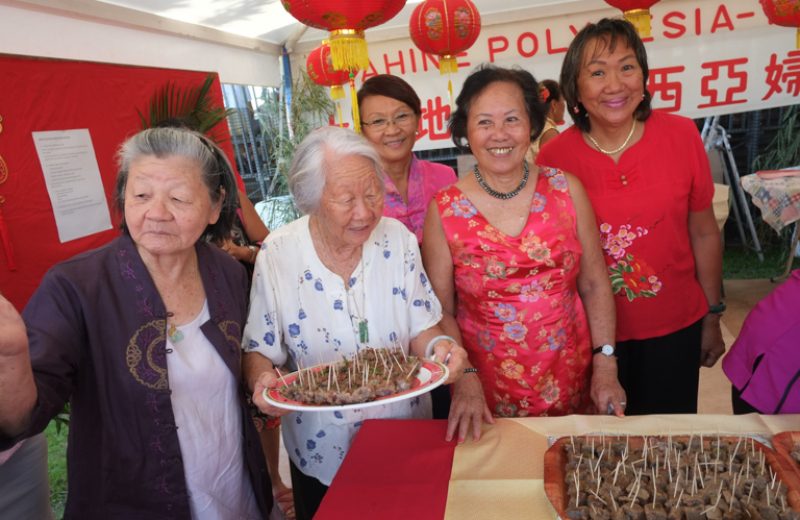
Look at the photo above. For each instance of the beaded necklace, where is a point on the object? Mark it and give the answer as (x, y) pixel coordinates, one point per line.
(500, 195)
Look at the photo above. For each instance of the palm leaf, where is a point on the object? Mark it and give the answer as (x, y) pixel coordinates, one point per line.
(189, 106)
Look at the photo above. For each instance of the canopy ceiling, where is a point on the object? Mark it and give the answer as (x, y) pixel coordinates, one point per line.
(267, 22)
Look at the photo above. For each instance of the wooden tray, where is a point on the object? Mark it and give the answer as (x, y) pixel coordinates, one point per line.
(783, 444)
(555, 461)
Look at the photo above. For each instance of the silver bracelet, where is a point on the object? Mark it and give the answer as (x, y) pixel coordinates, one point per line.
(431, 343)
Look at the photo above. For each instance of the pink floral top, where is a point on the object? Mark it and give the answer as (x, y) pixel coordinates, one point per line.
(425, 178)
(519, 313)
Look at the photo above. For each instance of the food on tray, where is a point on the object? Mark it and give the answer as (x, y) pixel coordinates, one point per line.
(687, 477)
(787, 444)
(367, 376)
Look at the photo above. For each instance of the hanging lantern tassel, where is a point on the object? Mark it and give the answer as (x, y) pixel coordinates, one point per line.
(339, 114)
(637, 12)
(354, 102)
(349, 50)
(640, 18)
(448, 64)
(337, 92)
(450, 91)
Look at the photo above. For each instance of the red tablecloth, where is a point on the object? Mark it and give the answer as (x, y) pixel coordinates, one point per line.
(387, 465)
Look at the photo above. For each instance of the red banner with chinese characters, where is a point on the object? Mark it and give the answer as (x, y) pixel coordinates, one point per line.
(45, 94)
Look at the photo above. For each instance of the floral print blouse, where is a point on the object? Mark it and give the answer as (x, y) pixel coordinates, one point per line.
(302, 314)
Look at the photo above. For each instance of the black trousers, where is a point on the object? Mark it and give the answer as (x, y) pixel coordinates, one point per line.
(661, 375)
(308, 493)
(440, 399)
(740, 406)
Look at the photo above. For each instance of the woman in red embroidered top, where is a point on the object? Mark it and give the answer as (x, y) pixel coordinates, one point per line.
(648, 179)
(514, 257)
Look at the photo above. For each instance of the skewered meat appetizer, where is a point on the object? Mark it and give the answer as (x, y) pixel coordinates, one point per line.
(672, 478)
(369, 375)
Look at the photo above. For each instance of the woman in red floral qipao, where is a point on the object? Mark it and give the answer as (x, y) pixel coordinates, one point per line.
(514, 256)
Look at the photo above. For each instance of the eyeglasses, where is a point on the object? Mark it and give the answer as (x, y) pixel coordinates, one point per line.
(401, 119)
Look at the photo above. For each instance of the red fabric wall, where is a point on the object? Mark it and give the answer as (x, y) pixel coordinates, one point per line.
(44, 94)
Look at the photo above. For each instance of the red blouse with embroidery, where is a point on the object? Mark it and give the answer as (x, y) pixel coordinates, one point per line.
(642, 206)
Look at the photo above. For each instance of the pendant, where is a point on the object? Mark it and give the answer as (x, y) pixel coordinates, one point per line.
(363, 331)
(175, 335)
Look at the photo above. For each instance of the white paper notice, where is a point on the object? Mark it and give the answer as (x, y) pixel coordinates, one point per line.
(73, 182)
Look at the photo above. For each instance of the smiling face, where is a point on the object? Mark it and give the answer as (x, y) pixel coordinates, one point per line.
(499, 129)
(167, 205)
(351, 203)
(610, 83)
(395, 141)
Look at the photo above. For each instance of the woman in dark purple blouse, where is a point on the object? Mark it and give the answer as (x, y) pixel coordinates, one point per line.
(142, 337)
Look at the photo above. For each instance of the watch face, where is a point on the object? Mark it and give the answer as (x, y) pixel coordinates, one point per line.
(607, 350)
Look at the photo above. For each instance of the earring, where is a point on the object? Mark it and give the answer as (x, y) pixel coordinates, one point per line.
(575, 109)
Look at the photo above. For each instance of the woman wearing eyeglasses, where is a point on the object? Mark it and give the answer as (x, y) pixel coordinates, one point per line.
(390, 112)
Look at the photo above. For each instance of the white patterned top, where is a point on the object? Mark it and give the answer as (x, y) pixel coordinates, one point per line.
(301, 313)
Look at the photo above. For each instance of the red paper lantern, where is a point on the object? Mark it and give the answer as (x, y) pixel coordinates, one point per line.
(319, 66)
(346, 20)
(637, 12)
(785, 13)
(445, 28)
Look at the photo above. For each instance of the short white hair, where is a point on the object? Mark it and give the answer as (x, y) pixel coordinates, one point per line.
(314, 154)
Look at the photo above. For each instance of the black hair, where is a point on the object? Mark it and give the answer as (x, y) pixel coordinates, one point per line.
(391, 87)
(477, 82)
(608, 33)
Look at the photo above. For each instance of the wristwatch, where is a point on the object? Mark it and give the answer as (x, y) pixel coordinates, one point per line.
(606, 350)
(719, 308)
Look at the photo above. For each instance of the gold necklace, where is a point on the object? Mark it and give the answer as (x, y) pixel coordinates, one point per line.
(616, 150)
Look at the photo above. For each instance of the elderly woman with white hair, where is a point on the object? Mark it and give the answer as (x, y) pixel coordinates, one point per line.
(339, 279)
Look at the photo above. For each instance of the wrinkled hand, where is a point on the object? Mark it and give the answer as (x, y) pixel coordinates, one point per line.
(453, 356)
(607, 394)
(468, 409)
(13, 336)
(267, 379)
(712, 345)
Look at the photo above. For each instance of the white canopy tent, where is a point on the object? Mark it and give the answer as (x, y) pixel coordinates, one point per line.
(241, 39)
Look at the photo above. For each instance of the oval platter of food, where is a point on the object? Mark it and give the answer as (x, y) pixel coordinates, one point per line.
(373, 377)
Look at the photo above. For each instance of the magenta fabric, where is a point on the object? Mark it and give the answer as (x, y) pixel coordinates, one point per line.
(642, 204)
(425, 178)
(521, 319)
(771, 330)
